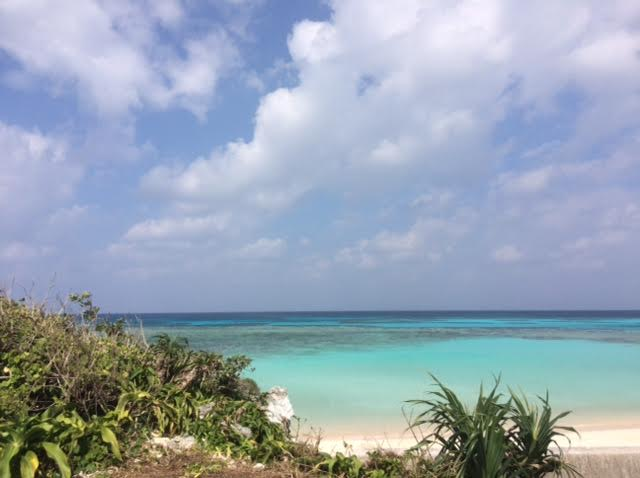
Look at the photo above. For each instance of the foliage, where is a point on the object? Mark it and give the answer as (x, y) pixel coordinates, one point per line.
(388, 463)
(208, 373)
(24, 445)
(501, 436)
(347, 466)
(74, 386)
(242, 426)
(59, 358)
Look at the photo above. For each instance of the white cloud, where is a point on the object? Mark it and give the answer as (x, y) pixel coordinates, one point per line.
(625, 214)
(507, 253)
(603, 238)
(68, 215)
(263, 248)
(612, 53)
(178, 228)
(528, 182)
(429, 238)
(32, 163)
(407, 93)
(619, 164)
(435, 199)
(20, 251)
(110, 51)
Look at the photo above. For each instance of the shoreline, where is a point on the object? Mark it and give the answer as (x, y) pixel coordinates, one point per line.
(612, 440)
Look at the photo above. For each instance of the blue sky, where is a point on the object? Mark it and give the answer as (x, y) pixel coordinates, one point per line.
(260, 154)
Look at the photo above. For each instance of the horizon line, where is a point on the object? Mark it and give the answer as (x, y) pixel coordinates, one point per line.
(363, 311)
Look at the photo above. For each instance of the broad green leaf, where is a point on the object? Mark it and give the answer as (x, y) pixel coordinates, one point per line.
(54, 452)
(29, 464)
(110, 438)
(10, 450)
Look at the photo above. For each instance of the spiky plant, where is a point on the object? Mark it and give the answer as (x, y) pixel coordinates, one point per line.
(533, 437)
(501, 436)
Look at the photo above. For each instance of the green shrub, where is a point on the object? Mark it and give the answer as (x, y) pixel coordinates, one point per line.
(347, 466)
(223, 428)
(60, 358)
(206, 373)
(389, 463)
(27, 443)
(73, 386)
(499, 437)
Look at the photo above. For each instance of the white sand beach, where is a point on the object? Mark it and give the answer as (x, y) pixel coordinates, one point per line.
(593, 440)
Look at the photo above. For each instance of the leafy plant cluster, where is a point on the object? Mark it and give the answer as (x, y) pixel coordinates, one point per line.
(385, 464)
(74, 388)
(501, 436)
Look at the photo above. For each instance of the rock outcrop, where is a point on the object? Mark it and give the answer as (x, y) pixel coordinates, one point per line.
(279, 409)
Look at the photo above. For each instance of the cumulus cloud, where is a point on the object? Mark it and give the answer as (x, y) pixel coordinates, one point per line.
(371, 107)
(528, 112)
(33, 162)
(109, 51)
(429, 238)
(621, 163)
(178, 228)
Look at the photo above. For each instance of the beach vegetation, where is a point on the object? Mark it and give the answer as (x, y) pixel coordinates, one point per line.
(502, 435)
(80, 393)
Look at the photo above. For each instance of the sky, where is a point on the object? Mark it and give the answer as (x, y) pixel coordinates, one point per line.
(240, 155)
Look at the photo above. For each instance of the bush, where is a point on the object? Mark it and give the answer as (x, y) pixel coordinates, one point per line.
(73, 386)
(60, 359)
(206, 373)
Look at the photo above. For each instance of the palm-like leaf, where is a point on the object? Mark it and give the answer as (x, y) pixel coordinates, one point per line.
(500, 436)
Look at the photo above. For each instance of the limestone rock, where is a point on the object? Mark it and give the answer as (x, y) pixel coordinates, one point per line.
(177, 444)
(204, 410)
(242, 430)
(279, 409)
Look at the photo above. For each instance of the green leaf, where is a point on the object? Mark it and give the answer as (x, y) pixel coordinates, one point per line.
(10, 450)
(110, 438)
(54, 452)
(29, 464)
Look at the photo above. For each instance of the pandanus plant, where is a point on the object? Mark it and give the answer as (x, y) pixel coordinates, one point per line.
(500, 436)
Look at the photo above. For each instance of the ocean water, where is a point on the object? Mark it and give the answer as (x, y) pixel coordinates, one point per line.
(351, 373)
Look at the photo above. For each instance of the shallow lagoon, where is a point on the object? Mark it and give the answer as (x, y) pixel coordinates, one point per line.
(350, 373)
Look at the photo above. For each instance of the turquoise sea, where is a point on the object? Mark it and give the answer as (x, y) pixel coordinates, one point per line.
(349, 373)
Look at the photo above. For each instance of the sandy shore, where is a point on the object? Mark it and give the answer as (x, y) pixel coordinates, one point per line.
(594, 440)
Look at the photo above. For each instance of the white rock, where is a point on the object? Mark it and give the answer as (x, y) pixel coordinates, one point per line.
(180, 443)
(204, 410)
(279, 409)
(259, 467)
(244, 431)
